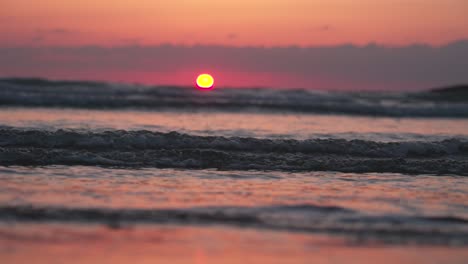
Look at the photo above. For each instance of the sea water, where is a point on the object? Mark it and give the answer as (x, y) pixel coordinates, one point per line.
(106, 173)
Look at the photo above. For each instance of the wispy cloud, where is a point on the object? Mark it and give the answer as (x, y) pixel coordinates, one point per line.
(232, 36)
(320, 28)
(42, 34)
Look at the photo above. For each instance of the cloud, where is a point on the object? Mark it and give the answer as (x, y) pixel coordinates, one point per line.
(43, 34)
(232, 36)
(131, 41)
(56, 31)
(321, 28)
(324, 28)
(335, 67)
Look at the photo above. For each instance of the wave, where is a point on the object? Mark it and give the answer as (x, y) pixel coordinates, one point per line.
(302, 217)
(95, 95)
(175, 150)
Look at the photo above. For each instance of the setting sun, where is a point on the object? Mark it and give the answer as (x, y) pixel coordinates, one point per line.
(205, 81)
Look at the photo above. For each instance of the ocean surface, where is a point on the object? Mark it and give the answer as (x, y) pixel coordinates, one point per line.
(111, 173)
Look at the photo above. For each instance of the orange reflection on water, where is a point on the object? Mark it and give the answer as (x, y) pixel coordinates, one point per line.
(299, 126)
(80, 186)
(41, 244)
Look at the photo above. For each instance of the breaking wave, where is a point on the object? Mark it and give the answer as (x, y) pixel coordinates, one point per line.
(175, 150)
(302, 217)
(94, 95)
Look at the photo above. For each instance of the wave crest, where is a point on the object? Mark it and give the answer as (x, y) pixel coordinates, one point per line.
(174, 150)
(304, 218)
(80, 94)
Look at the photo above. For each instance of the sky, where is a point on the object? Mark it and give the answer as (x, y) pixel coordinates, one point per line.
(321, 44)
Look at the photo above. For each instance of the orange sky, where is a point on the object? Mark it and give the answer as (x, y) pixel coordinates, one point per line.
(171, 41)
(231, 22)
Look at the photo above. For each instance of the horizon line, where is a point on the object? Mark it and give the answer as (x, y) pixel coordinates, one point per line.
(100, 81)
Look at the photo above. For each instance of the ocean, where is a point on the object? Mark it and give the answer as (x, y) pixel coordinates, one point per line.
(96, 172)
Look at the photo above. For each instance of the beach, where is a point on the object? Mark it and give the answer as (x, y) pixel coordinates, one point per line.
(267, 176)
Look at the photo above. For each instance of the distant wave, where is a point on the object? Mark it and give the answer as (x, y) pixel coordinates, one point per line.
(174, 150)
(451, 102)
(302, 217)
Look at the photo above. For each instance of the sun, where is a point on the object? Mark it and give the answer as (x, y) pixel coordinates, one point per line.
(205, 81)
